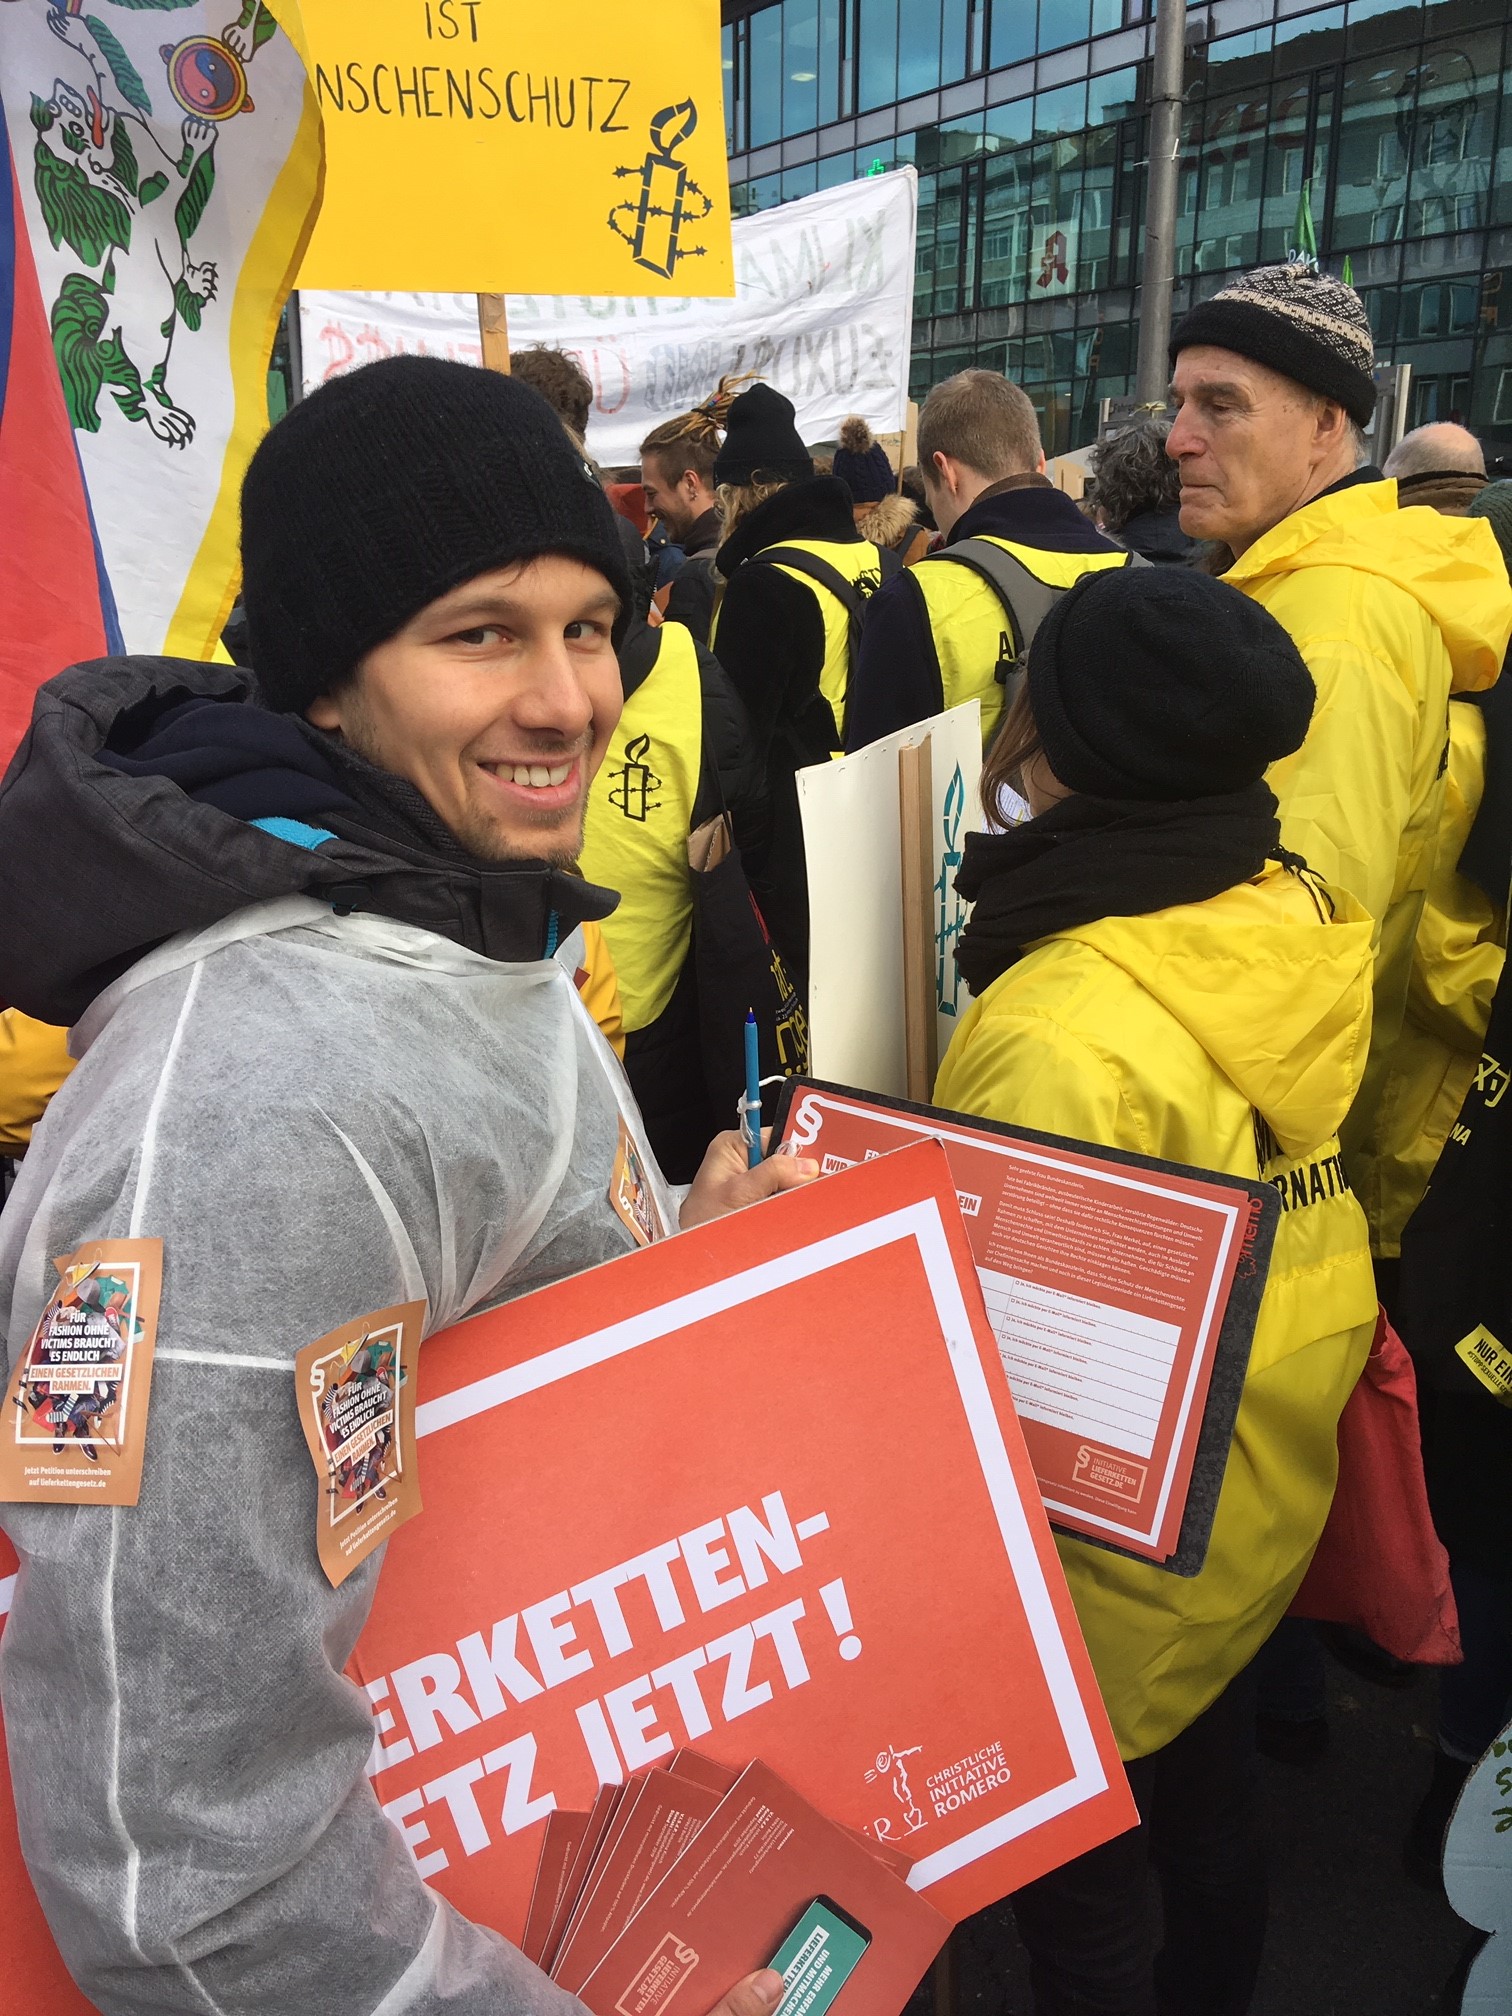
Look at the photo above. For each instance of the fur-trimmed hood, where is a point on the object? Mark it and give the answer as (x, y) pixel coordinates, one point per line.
(888, 522)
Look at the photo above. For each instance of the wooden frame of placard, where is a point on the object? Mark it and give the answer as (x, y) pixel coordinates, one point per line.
(493, 332)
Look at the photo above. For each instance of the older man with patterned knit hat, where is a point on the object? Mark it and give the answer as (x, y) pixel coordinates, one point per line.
(1392, 609)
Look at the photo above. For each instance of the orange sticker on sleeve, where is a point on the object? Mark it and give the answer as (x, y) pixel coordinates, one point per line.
(631, 1192)
(356, 1389)
(76, 1407)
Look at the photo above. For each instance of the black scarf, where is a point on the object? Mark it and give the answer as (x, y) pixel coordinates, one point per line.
(1087, 858)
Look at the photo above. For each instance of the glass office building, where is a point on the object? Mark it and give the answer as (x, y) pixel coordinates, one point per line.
(1027, 121)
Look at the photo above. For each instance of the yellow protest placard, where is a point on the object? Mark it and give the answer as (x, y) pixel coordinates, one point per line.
(477, 145)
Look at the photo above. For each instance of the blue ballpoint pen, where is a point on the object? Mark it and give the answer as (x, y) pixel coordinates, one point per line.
(753, 1092)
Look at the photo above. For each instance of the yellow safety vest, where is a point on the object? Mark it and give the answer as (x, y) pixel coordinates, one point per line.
(966, 617)
(635, 840)
(859, 561)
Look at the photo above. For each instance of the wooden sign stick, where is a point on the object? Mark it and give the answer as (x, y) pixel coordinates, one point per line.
(493, 330)
(920, 1029)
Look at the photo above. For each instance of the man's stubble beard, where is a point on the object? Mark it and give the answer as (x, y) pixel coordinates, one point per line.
(478, 835)
(483, 839)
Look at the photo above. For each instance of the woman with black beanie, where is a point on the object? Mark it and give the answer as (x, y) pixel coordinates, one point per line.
(1152, 972)
(796, 576)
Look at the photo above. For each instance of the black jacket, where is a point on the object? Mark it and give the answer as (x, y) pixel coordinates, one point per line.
(898, 679)
(1157, 537)
(691, 599)
(103, 855)
(771, 642)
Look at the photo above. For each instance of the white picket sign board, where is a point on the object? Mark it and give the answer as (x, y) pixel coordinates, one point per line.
(852, 839)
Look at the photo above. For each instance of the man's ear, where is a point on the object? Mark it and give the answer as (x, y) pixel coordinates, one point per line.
(324, 712)
(1331, 426)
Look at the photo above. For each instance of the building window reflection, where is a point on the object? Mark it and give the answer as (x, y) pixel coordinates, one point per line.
(1394, 118)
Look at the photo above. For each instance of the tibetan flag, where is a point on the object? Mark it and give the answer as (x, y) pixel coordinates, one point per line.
(162, 176)
(55, 600)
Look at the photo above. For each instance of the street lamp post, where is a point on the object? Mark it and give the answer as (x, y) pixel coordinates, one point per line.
(1159, 264)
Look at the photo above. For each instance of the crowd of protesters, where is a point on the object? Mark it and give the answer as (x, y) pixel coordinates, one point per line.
(373, 944)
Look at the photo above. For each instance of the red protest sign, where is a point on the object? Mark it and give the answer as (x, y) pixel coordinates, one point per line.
(758, 1488)
(36, 1981)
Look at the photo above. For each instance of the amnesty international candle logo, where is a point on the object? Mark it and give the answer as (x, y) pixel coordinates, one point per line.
(653, 221)
(634, 784)
(356, 1402)
(77, 1402)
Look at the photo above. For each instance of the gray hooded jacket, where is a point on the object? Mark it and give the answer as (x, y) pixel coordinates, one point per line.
(318, 1115)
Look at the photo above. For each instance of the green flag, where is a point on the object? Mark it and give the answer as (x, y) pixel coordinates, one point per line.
(1304, 250)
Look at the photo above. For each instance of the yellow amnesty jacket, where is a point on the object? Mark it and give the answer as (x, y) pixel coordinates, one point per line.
(970, 628)
(34, 1061)
(1231, 1035)
(1456, 963)
(1393, 611)
(635, 837)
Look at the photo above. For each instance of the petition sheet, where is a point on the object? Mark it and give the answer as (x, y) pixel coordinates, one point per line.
(1105, 1286)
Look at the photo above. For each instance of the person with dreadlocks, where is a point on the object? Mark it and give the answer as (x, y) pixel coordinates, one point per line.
(677, 475)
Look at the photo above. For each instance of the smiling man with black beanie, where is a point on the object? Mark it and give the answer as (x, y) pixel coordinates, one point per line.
(318, 950)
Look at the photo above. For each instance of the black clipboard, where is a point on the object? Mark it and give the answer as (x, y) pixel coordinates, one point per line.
(1236, 1330)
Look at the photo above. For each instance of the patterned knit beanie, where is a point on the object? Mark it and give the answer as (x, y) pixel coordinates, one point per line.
(861, 463)
(386, 489)
(1310, 328)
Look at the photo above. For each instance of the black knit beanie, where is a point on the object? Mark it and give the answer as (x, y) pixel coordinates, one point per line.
(762, 438)
(861, 463)
(389, 487)
(1309, 327)
(1156, 683)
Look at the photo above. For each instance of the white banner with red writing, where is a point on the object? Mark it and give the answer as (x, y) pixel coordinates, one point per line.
(823, 310)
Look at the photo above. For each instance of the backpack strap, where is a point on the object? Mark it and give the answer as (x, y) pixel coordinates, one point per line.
(800, 562)
(852, 599)
(637, 657)
(1026, 600)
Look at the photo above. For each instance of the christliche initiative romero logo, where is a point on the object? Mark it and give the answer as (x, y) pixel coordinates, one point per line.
(919, 1795)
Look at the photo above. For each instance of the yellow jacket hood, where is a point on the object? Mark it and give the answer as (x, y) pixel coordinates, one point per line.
(1452, 566)
(1281, 1007)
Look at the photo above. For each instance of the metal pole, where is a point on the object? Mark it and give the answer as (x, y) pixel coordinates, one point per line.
(1153, 371)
